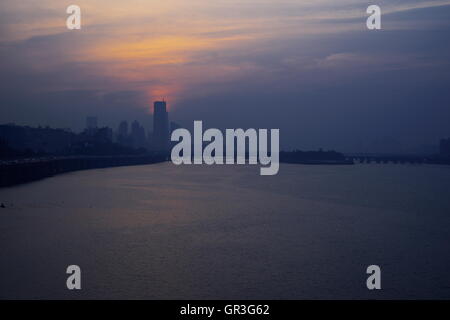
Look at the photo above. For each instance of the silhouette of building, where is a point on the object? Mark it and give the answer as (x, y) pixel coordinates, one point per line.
(104, 134)
(40, 140)
(137, 135)
(91, 126)
(123, 128)
(122, 133)
(160, 126)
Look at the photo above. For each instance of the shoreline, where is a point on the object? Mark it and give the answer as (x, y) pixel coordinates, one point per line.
(20, 171)
(17, 172)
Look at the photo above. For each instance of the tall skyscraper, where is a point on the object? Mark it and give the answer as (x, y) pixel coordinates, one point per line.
(137, 135)
(160, 126)
(123, 128)
(122, 133)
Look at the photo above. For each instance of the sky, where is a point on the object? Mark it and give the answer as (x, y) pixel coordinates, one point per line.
(308, 67)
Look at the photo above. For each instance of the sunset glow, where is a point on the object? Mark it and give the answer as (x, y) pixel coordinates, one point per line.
(157, 47)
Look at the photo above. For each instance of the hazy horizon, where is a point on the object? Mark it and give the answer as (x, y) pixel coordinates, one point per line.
(309, 68)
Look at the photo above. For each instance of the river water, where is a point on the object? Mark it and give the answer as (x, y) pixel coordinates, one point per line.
(224, 232)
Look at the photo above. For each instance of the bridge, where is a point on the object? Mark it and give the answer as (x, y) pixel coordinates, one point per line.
(388, 158)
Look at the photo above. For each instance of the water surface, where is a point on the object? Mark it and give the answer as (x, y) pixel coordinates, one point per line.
(225, 232)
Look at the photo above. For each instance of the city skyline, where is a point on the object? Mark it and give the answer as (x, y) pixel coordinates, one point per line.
(311, 69)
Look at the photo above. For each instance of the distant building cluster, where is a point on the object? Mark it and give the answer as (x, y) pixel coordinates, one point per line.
(93, 140)
(28, 140)
(135, 135)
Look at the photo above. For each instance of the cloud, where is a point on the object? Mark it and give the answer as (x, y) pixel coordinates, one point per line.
(305, 66)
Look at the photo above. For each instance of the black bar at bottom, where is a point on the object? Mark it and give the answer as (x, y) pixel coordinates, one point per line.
(227, 309)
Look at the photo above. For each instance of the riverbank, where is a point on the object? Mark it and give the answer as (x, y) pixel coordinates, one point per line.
(26, 170)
